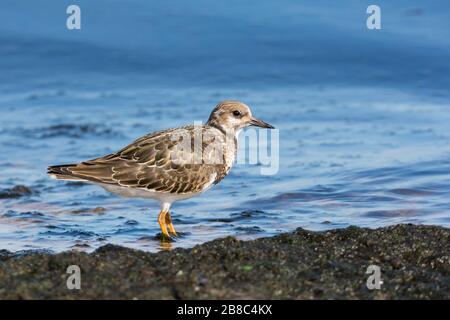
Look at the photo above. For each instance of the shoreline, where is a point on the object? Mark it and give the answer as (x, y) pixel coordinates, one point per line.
(414, 263)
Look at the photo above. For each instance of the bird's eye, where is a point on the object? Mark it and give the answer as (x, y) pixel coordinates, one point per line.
(236, 113)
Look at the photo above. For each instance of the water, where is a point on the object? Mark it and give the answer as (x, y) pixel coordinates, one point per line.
(363, 115)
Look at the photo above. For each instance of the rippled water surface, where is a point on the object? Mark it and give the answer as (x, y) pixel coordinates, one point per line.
(363, 118)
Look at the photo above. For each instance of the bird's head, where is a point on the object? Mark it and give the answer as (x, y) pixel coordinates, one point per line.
(230, 115)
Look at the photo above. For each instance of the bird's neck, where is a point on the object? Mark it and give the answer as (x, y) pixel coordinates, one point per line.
(231, 139)
(229, 132)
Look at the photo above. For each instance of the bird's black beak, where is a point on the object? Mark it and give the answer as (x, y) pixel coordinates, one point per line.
(260, 123)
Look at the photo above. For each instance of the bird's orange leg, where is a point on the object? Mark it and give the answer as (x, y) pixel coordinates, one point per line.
(162, 224)
(170, 225)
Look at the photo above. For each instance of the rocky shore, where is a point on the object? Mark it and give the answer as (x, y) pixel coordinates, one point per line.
(413, 260)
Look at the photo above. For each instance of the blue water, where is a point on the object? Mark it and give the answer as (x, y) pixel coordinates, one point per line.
(363, 115)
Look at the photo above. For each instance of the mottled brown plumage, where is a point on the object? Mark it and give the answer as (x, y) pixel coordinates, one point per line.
(169, 165)
(148, 163)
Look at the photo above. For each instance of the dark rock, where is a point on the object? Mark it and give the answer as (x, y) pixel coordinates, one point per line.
(15, 192)
(414, 262)
(5, 254)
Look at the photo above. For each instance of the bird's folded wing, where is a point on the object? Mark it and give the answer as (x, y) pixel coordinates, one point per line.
(155, 162)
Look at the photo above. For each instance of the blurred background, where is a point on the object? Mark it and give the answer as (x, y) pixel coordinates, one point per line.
(363, 114)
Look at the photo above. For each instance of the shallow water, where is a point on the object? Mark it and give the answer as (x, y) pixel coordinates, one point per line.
(363, 117)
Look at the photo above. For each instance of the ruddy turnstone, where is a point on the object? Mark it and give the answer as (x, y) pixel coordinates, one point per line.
(169, 165)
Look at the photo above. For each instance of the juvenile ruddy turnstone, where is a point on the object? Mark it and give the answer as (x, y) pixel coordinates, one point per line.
(169, 165)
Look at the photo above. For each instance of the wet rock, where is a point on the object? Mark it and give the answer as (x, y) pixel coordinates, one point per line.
(5, 254)
(15, 192)
(414, 262)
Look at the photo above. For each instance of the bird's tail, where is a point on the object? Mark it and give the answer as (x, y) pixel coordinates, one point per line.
(62, 172)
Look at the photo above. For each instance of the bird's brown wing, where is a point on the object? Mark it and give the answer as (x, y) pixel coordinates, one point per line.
(156, 162)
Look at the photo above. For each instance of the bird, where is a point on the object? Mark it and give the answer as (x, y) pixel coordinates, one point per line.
(169, 165)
